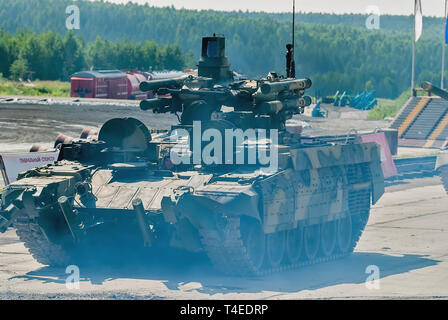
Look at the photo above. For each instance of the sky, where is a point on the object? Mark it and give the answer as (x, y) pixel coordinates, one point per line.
(395, 7)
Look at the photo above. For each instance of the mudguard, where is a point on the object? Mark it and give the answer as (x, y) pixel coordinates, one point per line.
(205, 206)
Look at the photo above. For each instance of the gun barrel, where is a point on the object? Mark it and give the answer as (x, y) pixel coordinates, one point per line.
(429, 87)
(166, 83)
(155, 103)
(275, 87)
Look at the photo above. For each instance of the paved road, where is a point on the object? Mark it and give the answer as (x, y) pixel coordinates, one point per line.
(406, 238)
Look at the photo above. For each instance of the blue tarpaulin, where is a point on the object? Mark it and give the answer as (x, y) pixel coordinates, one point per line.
(317, 113)
(364, 100)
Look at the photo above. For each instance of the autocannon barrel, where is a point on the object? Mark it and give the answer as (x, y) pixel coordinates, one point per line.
(156, 103)
(273, 87)
(427, 86)
(166, 83)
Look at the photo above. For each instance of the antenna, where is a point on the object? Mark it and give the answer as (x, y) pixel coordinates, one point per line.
(293, 21)
(293, 63)
(290, 63)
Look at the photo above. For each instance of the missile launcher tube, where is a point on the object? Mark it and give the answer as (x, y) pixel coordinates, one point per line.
(288, 85)
(146, 86)
(156, 103)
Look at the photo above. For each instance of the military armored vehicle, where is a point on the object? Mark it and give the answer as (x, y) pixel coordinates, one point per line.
(442, 156)
(233, 179)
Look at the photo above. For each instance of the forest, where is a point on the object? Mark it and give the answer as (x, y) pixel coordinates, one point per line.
(336, 51)
(48, 56)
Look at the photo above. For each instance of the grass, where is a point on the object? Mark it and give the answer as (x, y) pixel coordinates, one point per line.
(385, 108)
(35, 88)
(388, 107)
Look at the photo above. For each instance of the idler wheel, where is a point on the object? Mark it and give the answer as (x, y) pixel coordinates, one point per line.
(275, 248)
(344, 234)
(312, 240)
(254, 242)
(294, 244)
(328, 238)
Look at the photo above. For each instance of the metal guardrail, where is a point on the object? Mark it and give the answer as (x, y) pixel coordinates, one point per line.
(413, 168)
(406, 165)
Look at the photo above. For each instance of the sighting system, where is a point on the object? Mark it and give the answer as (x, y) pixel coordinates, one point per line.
(215, 95)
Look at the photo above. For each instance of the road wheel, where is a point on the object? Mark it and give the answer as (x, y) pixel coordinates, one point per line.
(254, 242)
(275, 248)
(344, 234)
(328, 238)
(311, 240)
(294, 244)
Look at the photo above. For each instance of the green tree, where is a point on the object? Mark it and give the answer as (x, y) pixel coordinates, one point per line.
(33, 52)
(172, 57)
(53, 60)
(74, 56)
(369, 85)
(336, 51)
(18, 69)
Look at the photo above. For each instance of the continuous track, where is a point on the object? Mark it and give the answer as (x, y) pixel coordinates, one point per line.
(38, 244)
(229, 253)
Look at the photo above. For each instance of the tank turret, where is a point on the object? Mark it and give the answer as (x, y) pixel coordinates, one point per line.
(259, 103)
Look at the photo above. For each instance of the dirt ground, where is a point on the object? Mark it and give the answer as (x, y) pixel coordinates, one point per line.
(23, 125)
(340, 120)
(405, 239)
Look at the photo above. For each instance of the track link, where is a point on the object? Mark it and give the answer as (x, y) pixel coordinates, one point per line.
(228, 253)
(36, 241)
